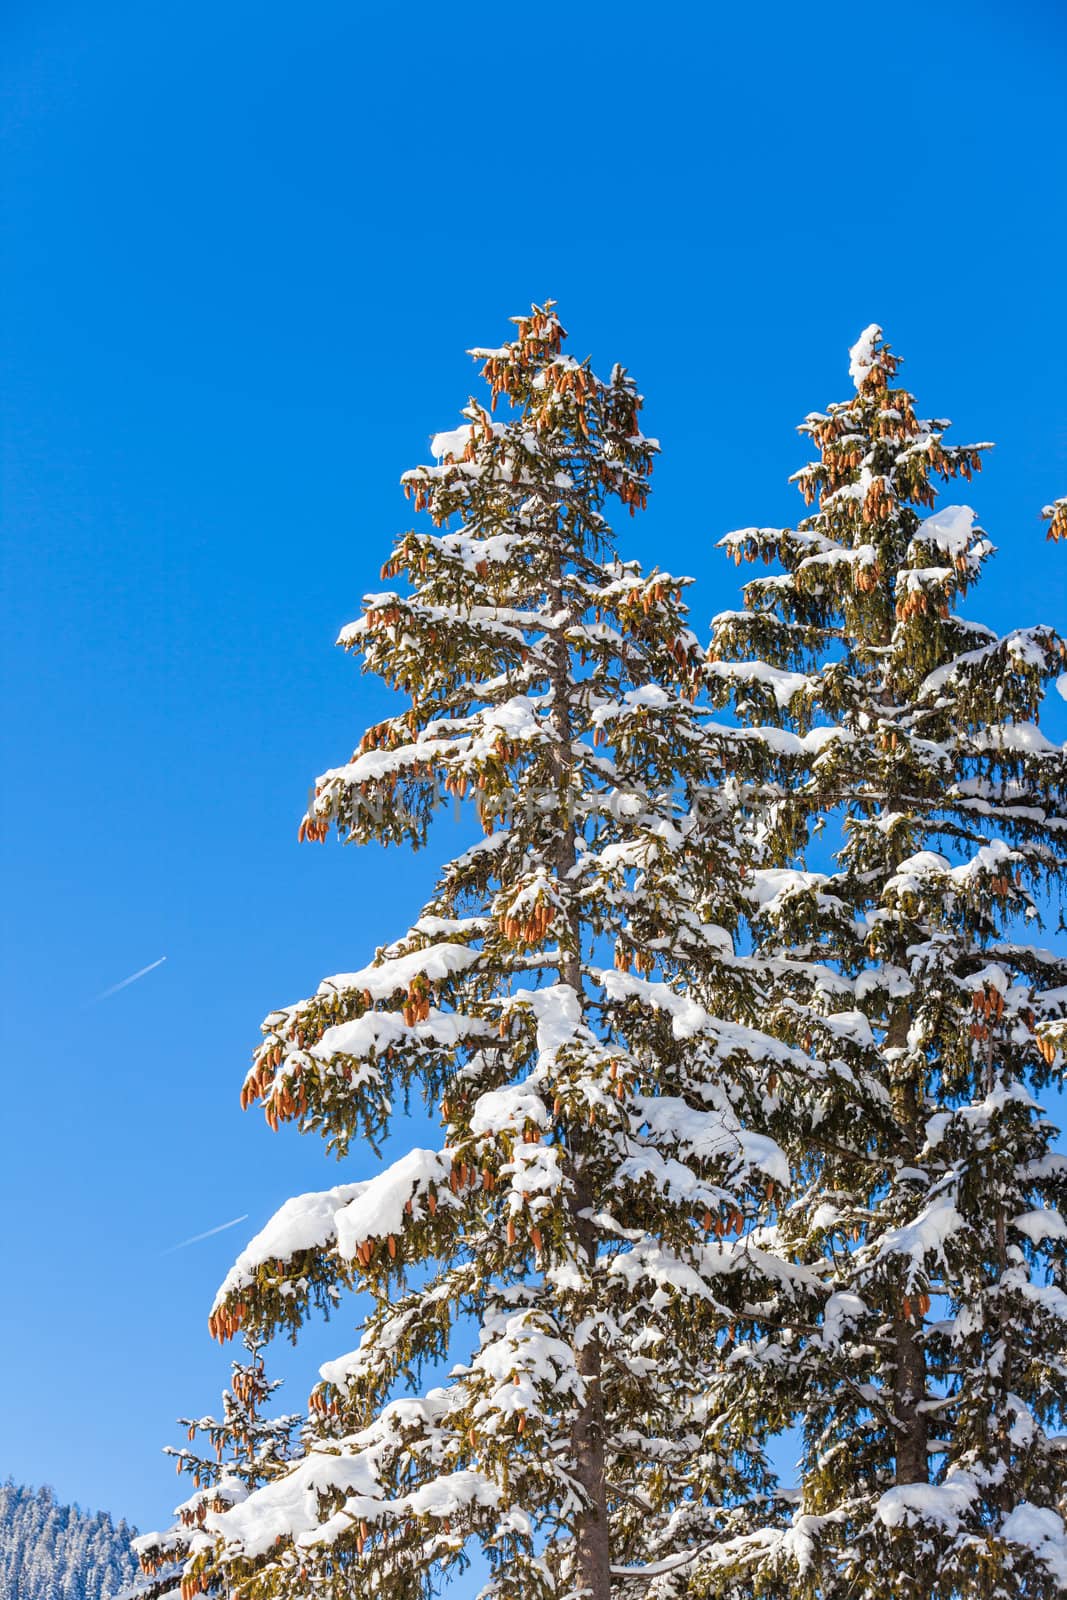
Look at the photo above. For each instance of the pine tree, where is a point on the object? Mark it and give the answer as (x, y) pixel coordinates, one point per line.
(247, 1449)
(926, 1371)
(586, 1227)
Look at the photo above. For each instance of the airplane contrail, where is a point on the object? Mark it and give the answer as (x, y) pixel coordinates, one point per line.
(207, 1234)
(115, 987)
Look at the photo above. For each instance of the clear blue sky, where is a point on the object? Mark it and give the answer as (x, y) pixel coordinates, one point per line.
(245, 248)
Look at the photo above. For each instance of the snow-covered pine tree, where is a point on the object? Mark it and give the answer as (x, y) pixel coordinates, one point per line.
(928, 1374)
(247, 1448)
(579, 1228)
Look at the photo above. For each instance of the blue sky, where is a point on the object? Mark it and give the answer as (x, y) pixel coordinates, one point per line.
(245, 249)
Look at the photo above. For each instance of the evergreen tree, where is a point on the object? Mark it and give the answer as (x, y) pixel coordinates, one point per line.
(587, 1223)
(927, 1368)
(246, 1448)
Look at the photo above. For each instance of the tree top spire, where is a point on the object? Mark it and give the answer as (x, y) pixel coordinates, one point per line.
(872, 363)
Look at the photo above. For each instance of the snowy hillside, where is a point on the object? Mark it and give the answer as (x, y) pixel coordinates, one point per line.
(54, 1552)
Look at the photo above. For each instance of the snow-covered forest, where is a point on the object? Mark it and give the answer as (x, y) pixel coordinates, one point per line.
(740, 1014)
(54, 1552)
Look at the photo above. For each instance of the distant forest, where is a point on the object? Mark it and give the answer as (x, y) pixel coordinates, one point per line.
(54, 1552)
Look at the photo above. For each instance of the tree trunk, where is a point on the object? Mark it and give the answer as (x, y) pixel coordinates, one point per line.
(909, 1391)
(909, 1376)
(592, 1545)
(591, 1532)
